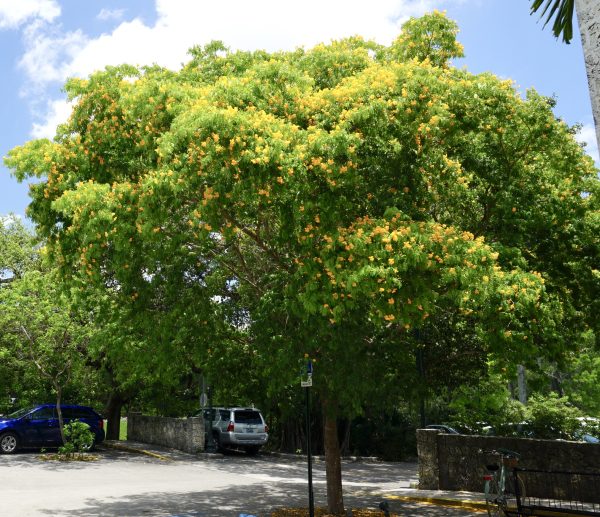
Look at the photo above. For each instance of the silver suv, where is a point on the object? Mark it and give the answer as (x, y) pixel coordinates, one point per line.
(238, 427)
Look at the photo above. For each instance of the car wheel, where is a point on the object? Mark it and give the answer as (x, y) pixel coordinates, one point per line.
(252, 450)
(89, 447)
(9, 443)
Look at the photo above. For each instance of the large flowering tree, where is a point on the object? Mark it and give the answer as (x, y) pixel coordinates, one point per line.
(333, 202)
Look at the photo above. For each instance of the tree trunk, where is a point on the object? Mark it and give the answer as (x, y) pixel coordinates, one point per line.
(588, 15)
(112, 412)
(61, 423)
(333, 464)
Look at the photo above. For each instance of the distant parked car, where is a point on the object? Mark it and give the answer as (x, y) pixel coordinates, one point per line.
(442, 428)
(589, 427)
(37, 426)
(585, 437)
(237, 427)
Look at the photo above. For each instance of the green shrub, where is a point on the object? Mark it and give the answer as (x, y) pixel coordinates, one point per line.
(473, 408)
(552, 417)
(78, 437)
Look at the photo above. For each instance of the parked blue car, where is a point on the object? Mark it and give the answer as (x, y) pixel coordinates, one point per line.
(37, 426)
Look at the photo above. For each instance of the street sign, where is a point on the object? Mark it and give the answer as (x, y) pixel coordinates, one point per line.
(307, 383)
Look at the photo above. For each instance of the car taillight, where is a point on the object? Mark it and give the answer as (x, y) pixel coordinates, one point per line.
(266, 428)
(488, 477)
(230, 427)
(101, 424)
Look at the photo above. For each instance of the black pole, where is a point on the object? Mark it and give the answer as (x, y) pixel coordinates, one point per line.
(210, 442)
(421, 371)
(420, 363)
(311, 499)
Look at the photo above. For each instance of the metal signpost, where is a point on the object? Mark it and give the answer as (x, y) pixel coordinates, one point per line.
(307, 384)
(210, 443)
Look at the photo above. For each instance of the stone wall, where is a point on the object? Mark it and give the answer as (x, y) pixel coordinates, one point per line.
(455, 462)
(184, 434)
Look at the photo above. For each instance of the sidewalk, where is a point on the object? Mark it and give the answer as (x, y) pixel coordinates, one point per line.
(468, 501)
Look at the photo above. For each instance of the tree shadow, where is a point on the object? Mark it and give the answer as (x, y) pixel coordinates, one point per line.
(226, 502)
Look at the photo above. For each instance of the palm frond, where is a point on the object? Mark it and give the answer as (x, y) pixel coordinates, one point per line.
(562, 11)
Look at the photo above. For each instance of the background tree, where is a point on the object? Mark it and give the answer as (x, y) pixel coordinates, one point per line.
(18, 250)
(40, 326)
(346, 203)
(26, 275)
(18, 254)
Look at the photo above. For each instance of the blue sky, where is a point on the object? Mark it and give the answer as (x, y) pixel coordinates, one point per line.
(45, 41)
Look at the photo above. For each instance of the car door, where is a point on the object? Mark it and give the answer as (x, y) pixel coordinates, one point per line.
(82, 414)
(42, 427)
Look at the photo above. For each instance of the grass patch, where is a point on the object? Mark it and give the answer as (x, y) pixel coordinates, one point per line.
(123, 429)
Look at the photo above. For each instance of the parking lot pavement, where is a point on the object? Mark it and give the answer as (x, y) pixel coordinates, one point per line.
(123, 484)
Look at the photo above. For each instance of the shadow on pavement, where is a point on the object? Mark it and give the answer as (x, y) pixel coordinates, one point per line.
(232, 501)
(229, 502)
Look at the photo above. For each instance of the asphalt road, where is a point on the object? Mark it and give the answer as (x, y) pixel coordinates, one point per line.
(124, 484)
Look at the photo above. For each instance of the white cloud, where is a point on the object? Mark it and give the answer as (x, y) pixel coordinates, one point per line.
(58, 112)
(111, 14)
(131, 42)
(52, 56)
(587, 136)
(48, 56)
(266, 24)
(14, 13)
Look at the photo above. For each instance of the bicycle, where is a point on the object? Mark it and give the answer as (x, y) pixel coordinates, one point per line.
(498, 481)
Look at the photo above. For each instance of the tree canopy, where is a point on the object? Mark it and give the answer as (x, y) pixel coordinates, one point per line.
(333, 203)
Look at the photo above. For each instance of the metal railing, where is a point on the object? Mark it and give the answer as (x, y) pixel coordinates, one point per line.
(559, 492)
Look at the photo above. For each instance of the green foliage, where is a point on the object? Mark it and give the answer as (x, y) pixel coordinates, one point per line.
(42, 344)
(552, 417)
(349, 202)
(582, 380)
(390, 435)
(18, 251)
(563, 12)
(431, 37)
(40, 327)
(78, 433)
(590, 426)
(79, 440)
(488, 403)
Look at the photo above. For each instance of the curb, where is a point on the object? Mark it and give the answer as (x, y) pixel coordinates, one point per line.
(465, 504)
(126, 448)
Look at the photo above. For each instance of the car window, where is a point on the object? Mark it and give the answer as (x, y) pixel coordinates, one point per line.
(74, 413)
(45, 413)
(247, 417)
(19, 413)
(224, 414)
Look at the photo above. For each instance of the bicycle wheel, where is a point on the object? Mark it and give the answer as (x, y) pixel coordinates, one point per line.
(491, 498)
(522, 491)
(511, 486)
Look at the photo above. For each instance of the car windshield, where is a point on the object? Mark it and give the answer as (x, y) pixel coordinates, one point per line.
(20, 413)
(247, 417)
